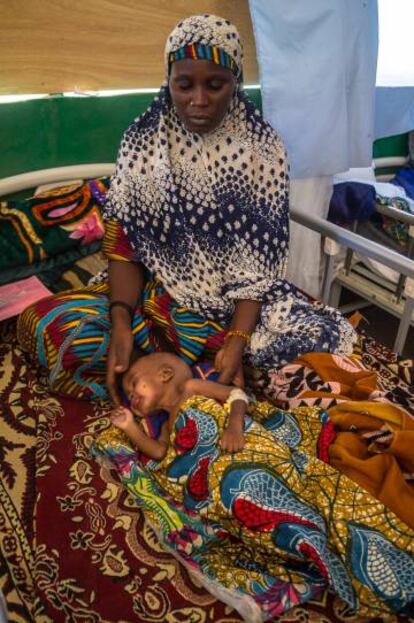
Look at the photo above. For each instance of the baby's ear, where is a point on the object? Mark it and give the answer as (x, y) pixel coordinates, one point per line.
(166, 373)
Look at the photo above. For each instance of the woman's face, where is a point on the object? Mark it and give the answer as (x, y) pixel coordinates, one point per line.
(201, 92)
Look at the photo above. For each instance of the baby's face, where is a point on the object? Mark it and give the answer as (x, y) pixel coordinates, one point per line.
(144, 388)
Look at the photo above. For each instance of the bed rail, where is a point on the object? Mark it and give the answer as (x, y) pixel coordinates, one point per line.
(16, 183)
(358, 243)
(336, 236)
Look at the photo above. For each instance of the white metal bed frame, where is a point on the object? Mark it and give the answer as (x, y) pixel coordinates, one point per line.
(397, 299)
(333, 235)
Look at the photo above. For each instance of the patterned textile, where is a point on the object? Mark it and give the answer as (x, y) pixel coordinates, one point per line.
(69, 335)
(99, 526)
(198, 51)
(373, 372)
(78, 273)
(394, 228)
(325, 380)
(208, 214)
(311, 527)
(81, 519)
(45, 231)
(210, 31)
(18, 425)
(374, 447)
(395, 372)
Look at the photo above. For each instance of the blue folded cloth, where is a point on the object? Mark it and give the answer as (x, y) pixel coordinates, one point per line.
(405, 178)
(351, 201)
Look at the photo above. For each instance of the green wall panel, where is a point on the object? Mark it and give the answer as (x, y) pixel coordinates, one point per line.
(391, 146)
(58, 131)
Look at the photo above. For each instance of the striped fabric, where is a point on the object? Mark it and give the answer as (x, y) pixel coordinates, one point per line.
(199, 51)
(69, 335)
(116, 245)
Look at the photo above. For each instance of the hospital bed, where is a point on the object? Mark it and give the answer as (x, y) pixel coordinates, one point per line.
(366, 275)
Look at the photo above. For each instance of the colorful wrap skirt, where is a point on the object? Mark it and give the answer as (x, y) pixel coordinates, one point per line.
(68, 334)
(273, 522)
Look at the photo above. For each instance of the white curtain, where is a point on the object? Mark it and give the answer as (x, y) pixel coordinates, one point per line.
(309, 195)
(317, 64)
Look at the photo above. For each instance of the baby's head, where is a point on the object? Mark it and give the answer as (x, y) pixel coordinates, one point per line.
(149, 378)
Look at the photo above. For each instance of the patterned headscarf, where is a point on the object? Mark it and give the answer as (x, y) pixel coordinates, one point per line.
(206, 37)
(207, 214)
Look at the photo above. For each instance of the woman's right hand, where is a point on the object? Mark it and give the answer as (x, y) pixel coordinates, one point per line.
(126, 283)
(119, 354)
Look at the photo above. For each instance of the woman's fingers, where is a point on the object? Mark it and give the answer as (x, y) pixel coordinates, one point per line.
(123, 350)
(231, 373)
(226, 376)
(118, 362)
(112, 390)
(218, 359)
(111, 381)
(239, 378)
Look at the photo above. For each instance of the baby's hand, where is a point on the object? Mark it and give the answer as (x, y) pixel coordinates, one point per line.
(122, 418)
(232, 440)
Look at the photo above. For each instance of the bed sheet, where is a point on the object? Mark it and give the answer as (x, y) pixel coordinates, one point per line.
(73, 544)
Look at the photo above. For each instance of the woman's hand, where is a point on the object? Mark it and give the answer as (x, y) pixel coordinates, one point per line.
(228, 361)
(229, 358)
(120, 350)
(126, 283)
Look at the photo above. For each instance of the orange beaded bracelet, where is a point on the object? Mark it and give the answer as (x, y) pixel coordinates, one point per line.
(238, 333)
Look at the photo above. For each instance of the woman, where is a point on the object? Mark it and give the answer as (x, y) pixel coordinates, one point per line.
(196, 236)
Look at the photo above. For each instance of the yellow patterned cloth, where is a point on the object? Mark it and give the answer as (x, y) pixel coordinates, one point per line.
(301, 526)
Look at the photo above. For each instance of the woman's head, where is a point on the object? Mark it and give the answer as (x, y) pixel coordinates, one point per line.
(203, 55)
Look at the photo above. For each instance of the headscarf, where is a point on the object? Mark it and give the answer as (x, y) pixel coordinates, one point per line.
(206, 37)
(206, 214)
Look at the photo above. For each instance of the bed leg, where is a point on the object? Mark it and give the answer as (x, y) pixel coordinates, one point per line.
(406, 317)
(335, 295)
(331, 250)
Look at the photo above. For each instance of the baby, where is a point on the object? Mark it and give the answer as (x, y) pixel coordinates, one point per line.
(163, 381)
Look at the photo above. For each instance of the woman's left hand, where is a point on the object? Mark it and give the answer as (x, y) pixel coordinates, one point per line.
(228, 362)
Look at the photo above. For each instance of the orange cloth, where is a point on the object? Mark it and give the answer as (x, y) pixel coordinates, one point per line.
(381, 474)
(377, 468)
(355, 381)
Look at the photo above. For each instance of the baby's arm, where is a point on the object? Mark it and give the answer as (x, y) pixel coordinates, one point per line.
(233, 436)
(156, 449)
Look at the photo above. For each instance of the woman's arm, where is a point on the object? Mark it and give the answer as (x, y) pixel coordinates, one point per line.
(126, 283)
(245, 315)
(229, 358)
